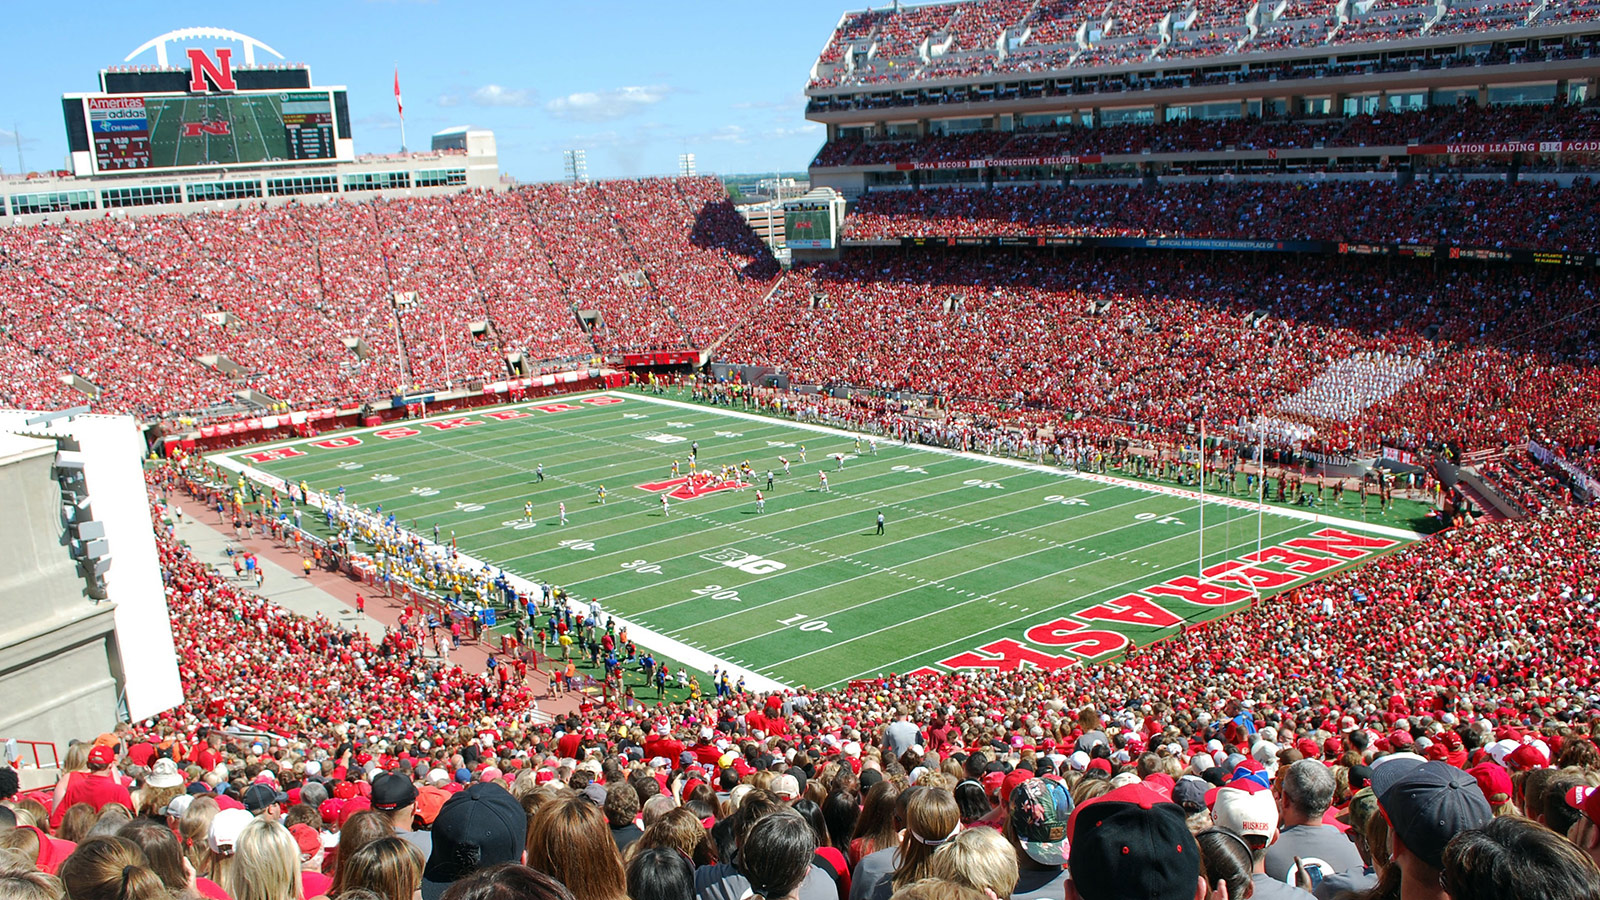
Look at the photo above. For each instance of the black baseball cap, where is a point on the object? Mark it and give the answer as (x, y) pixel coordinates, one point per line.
(1428, 803)
(1190, 793)
(392, 791)
(1132, 842)
(480, 827)
(259, 796)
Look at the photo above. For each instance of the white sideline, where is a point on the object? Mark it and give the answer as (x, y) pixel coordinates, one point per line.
(705, 662)
(640, 635)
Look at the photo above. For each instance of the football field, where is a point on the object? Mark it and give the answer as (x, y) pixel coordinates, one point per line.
(982, 562)
(254, 130)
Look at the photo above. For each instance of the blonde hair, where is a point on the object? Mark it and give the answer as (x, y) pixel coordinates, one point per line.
(934, 889)
(932, 819)
(77, 758)
(193, 826)
(266, 864)
(979, 858)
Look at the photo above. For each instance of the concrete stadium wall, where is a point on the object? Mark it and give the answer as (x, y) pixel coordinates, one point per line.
(56, 645)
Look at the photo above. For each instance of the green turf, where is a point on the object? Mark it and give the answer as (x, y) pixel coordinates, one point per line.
(255, 130)
(975, 551)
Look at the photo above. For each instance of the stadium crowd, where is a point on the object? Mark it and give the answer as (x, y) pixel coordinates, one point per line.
(310, 305)
(1017, 331)
(1467, 213)
(904, 44)
(1448, 684)
(1464, 123)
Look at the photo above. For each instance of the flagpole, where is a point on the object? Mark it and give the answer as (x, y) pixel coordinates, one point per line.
(399, 108)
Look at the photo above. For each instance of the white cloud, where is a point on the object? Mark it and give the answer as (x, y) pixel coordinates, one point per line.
(728, 134)
(448, 100)
(497, 95)
(604, 106)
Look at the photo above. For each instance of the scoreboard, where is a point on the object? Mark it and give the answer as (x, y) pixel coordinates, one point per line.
(121, 132)
(176, 131)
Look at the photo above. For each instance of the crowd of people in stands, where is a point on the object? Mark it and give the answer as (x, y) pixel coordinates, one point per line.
(179, 313)
(1465, 123)
(1141, 341)
(904, 44)
(1425, 726)
(313, 304)
(1479, 213)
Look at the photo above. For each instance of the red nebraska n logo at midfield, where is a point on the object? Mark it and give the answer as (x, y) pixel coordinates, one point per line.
(197, 129)
(202, 69)
(687, 489)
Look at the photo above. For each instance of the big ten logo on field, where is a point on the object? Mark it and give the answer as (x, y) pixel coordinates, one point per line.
(660, 438)
(749, 563)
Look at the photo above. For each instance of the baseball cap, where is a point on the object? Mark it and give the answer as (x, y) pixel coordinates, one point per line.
(259, 796)
(307, 839)
(330, 810)
(1363, 805)
(1132, 842)
(178, 805)
(1039, 811)
(478, 827)
(1246, 813)
(786, 786)
(1428, 803)
(1493, 780)
(1190, 793)
(1585, 799)
(1010, 781)
(101, 755)
(225, 828)
(392, 791)
(431, 799)
(1527, 756)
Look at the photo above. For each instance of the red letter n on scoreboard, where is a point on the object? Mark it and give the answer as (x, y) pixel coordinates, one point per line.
(201, 68)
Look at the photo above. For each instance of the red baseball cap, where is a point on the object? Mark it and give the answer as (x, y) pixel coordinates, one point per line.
(1009, 784)
(1528, 757)
(1586, 800)
(1494, 781)
(306, 837)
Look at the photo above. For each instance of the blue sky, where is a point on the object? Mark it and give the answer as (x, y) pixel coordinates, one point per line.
(633, 83)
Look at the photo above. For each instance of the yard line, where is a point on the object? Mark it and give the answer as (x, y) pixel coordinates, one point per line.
(843, 496)
(639, 501)
(1183, 567)
(975, 598)
(925, 583)
(1191, 496)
